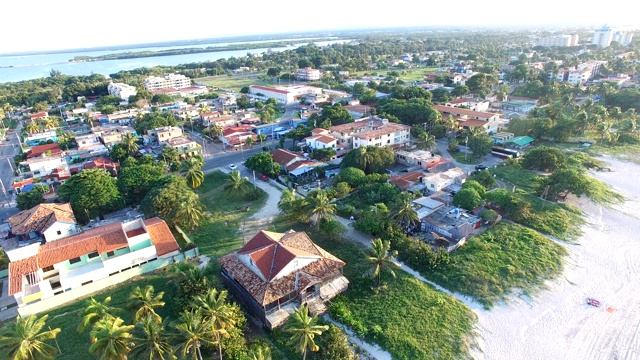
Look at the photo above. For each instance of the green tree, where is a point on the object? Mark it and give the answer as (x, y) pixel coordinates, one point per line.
(94, 312)
(292, 206)
(50, 123)
(263, 163)
(472, 184)
(303, 329)
(467, 198)
(130, 143)
(403, 212)
(151, 341)
(334, 345)
(161, 99)
(134, 182)
(24, 339)
(193, 333)
(544, 158)
(169, 154)
(370, 159)
(218, 313)
(319, 207)
(91, 193)
(188, 211)
(236, 184)
(110, 339)
(484, 178)
(193, 173)
(480, 145)
(32, 127)
(568, 179)
(381, 257)
(144, 302)
(426, 141)
(28, 199)
(118, 153)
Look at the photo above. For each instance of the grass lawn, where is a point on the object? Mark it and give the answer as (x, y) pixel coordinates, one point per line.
(75, 345)
(232, 82)
(506, 259)
(470, 159)
(219, 233)
(408, 318)
(406, 75)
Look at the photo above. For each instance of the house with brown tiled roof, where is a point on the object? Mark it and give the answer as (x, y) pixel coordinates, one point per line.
(54, 272)
(285, 157)
(275, 273)
(44, 150)
(44, 222)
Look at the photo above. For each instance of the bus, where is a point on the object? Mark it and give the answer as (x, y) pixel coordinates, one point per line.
(501, 155)
(498, 149)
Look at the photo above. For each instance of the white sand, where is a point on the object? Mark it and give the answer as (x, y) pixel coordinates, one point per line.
(604, 264)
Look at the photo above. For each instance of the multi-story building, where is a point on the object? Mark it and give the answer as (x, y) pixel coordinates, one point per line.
(185, 145)
(42, 166)
(52, 273)
(370, 131)
(578, 76)
(37, 138)
(308, 74)
(170, 81)
(112, 134)
(121, 90)
(605, 35)
(559, 40)
(283, 94)
(469, 118)
(164, 134)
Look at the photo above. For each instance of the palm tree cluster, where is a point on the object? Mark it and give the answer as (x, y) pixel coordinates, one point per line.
(25, 340)
(315, 208)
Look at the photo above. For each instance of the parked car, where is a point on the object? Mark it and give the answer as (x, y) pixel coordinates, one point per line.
(481, 167)
(263, 177)
(233, 166)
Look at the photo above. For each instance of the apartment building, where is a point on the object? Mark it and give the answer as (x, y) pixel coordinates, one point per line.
(308, 74)
(469, 118)
(559, 40)
(170, 81)
(121, 90)
(605, 35)
(370, 131)
(164, 134)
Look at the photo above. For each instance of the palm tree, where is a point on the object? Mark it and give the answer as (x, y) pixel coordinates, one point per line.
(192, 333)
(110, 339)
(95, 311)
(144, 303)
(319, 207)
(363, 158)
(50, 123)
(25, 340)
(382, 258)
(303, 329)
(451, 124)
(426, 141)
(249, 141)
(292, 205)
(188, 212)
(130, 143)
(32, 127)
(220, 315)
(151, 341)
(261, 353)
(262, 137)
(203, 108)
(403, 212)
(215, 130)
(193, 172)
(236, 184)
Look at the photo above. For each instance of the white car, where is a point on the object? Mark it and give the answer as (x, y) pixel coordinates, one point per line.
(233, 166)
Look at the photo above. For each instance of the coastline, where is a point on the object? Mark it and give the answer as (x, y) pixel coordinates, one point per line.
(603, 264)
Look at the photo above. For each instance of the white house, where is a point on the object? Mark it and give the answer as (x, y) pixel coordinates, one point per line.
(48, 222)
(45, 273)
(42, 166)
(370, 131)
(121, 90)
(185, 146)
(164, 134)
(438, 181)
(321, 142)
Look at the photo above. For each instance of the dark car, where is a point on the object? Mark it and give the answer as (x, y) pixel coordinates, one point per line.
(481, 167)
(263, 177)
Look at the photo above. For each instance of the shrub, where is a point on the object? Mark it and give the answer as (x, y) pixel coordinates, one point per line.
(346, 211)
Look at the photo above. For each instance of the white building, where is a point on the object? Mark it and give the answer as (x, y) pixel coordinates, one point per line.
(121, 90)
(185, 145)
(605, 35)
(42, 166)
(57, 268)
(559, 40)
(283, 94)
(170, 81)
(438, 181)
(48, 222)
(308, 74)
(164, 134)
(371, 131)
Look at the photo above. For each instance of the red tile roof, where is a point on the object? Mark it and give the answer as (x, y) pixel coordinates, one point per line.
(20, 184)
(271, 253)
(40, 218)
(463, 112)
(39, 150)
(405, 181)
(301, 163)
(38, 115)
(161, 236)
(283, 156)
(102, 163)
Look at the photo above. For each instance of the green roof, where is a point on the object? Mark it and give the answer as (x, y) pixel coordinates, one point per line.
(521, 140)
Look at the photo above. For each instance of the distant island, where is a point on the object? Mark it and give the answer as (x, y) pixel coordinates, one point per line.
(231, 47)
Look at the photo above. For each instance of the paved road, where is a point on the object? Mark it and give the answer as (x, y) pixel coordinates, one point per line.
(7, 152)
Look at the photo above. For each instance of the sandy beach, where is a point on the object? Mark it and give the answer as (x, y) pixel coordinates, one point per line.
(603, 264)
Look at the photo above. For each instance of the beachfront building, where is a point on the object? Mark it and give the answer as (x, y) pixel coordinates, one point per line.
(170, 81)
(42, 276)
(308, 74)
(121, 90)
(276, 273)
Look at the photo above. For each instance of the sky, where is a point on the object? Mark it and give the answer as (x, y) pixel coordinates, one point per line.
(36, 25)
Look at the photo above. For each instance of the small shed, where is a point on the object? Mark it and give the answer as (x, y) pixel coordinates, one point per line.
(520, 141)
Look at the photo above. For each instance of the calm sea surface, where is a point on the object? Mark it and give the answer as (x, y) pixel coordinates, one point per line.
(25, 67)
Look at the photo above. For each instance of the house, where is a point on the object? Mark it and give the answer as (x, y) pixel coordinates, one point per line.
(43, 223)
(501, 137)
(370, 131)
(411, 181)
(285, 157)
(422, 158)
(426, 206)
(58, 175)
(185, 145)
(520, 142)
(236, 136)
(438, 181)
(321, 142)
(103, 163)
(41, 137)
(112, 134)
(275, 273)
(471, 104)
(358, 111)
(452, 223)
(87, 141)
(44, 150)
(163, 134)
(42, 166)
(42, 115)
(470, 118)
(50, 274)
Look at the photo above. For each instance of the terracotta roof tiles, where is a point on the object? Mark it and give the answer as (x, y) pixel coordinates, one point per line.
(161, 236)
(40, 217)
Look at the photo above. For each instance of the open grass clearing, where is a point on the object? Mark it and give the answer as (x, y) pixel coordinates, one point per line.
(408, 317)
(235, 82)
(507, 259)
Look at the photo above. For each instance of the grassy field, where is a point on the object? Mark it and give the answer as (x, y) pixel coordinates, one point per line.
(506, 259)
(408, 318)
(470, 158)
(234, 83)
(219, 234)
(407, 75)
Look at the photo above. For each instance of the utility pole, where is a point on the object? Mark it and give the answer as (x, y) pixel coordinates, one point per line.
(466, 141)
(4, 191)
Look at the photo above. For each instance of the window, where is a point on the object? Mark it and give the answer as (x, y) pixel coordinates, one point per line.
(93, 255)
(48, 268)
(59, 232)
(110, 254)
(75, 260)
